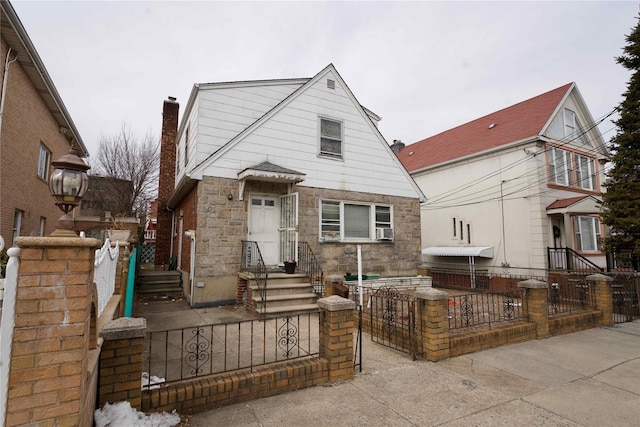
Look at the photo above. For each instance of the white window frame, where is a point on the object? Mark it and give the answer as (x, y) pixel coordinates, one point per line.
(18, 217)
(333, 228)
(585, 179)
(42, 226)
(44, 162)
(323, 151)
(569, 122)
(560, 166)
(588, 227)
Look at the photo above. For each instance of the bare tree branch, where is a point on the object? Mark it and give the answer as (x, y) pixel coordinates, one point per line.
(132, 164)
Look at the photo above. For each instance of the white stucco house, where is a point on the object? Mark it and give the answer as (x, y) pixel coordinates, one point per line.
(281, 166)
(514, 191)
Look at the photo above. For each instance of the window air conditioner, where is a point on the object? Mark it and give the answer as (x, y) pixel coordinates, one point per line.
(384, 233)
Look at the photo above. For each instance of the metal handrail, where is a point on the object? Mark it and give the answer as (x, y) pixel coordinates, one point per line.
(308, 263)
(253, 262)
(568, 259)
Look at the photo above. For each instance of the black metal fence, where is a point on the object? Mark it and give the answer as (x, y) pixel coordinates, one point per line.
(308, 263)
(483, 310)
(567, 298)
(179, 354)
(393, 319)
(625, 288)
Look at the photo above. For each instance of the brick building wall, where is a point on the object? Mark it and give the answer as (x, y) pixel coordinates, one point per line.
(26, 122)
(166, 179)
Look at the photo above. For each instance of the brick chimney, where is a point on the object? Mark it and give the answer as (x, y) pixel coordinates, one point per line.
(166, 180)
(397, 146)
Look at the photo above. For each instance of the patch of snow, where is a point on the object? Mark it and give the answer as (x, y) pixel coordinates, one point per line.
(122, 414)
(153, 382)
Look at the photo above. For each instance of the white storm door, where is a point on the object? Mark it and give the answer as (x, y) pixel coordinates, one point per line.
(289, 227)
(263, 227)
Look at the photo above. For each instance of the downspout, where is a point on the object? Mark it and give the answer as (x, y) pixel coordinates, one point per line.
(4, 83)
(191, 234)
(5, 76)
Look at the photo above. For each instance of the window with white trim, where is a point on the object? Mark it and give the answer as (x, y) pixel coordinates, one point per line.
(330, 138)
(560, 169)
(44, 161)
(351, 221)
(588, 234)
(585, 172)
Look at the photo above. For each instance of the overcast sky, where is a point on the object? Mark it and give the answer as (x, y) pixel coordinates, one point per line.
(423, 66)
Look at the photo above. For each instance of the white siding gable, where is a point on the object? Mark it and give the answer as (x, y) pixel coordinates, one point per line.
(289, 137)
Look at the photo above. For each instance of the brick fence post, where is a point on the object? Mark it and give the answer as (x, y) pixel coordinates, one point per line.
(433, 311)
(536, 305)
(121, 361)
(336, 336)
(52, 332)
(601, 284)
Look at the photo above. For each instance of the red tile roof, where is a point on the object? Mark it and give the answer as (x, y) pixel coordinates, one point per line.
(564, 203)
(515, 123)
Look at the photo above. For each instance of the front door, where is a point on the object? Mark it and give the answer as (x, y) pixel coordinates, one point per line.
(263, 226)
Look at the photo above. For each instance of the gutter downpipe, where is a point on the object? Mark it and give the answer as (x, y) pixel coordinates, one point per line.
(4, 82)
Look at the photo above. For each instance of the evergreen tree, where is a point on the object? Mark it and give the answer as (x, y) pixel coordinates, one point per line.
(621, 202)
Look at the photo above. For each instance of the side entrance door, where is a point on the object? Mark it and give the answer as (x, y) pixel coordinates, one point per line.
(263, 226)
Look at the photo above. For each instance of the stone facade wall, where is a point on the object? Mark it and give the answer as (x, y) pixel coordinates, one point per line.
(222, 225)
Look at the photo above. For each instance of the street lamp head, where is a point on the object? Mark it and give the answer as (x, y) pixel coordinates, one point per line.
(68, 184)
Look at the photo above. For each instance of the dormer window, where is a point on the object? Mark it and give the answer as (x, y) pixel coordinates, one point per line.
(330, 138)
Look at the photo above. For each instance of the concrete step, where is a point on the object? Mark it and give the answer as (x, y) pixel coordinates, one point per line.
(286, 300)
(290, 310)
(284, 288)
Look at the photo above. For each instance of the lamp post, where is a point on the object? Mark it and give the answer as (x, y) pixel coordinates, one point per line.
(68, 184)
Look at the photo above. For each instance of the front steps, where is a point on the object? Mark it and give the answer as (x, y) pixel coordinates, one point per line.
(158, 283)
(285, 294)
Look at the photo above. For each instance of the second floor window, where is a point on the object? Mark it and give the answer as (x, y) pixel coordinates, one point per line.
(44, 160)
(330, 138)
(560, 166)
(572, 169)
(585, 172)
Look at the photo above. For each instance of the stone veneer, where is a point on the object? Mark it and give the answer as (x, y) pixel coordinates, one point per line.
(222, 225)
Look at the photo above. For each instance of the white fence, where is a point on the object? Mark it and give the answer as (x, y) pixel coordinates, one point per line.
(104, 274)
(9, 286)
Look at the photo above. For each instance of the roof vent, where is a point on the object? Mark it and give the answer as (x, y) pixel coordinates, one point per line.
(331, 84)
(492, 125)
(411, 153)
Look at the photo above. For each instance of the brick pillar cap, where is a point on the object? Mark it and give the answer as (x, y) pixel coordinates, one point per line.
(124, 327)
(61, 242)
(599, 277)
(432, 294)
(533, 284)
(336, 303)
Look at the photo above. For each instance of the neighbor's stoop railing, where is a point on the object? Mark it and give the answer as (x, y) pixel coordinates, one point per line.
(10, 287)
(253, 262)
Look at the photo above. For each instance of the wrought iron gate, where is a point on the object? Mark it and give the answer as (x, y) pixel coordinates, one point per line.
(625, 288)
(393, 320)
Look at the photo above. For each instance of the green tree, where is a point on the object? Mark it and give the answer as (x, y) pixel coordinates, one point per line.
(621, 202)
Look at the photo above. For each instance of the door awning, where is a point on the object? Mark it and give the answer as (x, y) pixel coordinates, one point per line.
(475, 251)
(268, 172)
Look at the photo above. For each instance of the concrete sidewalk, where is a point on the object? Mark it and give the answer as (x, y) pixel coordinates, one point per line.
(589, 378)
